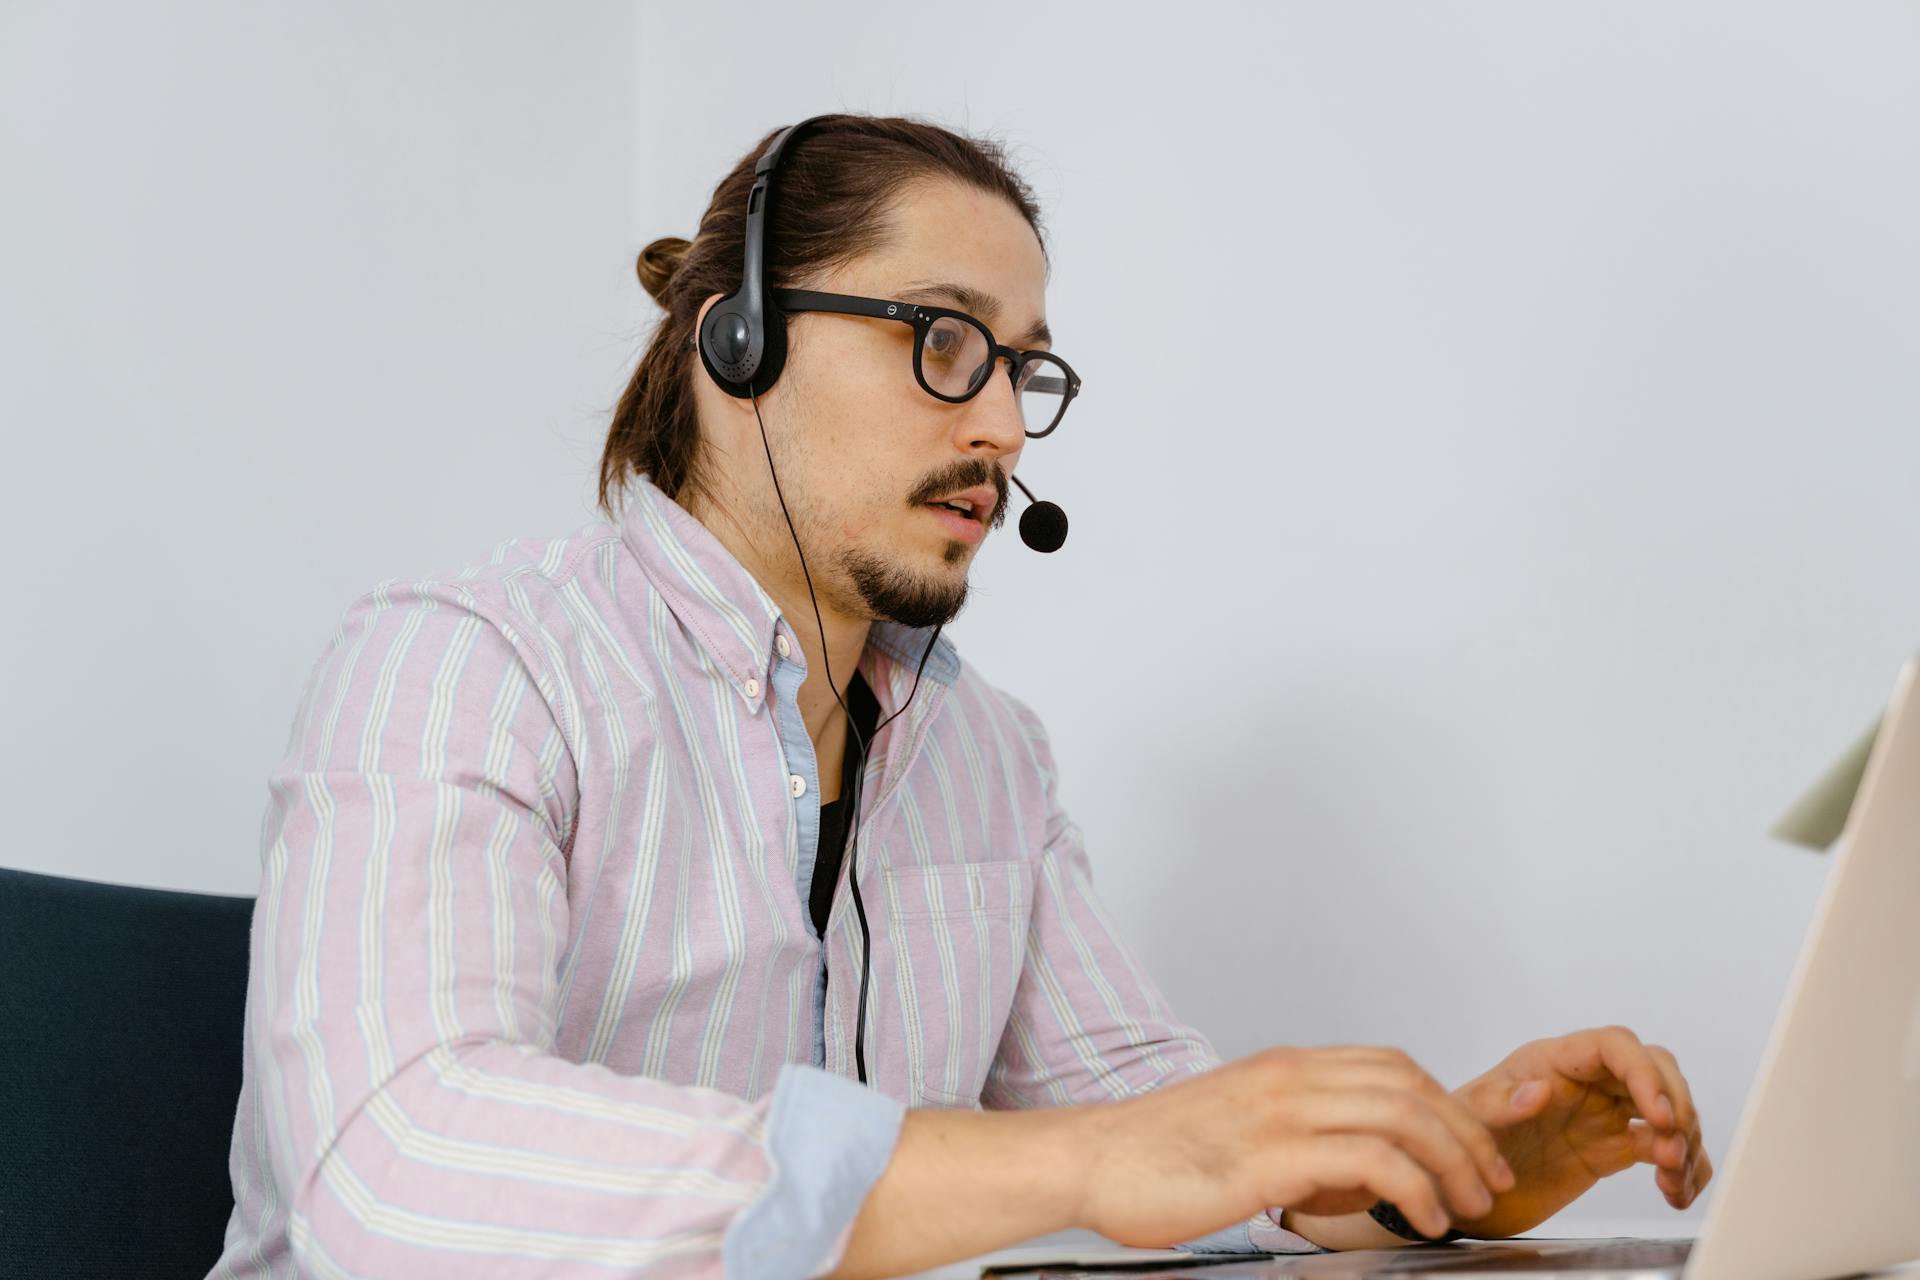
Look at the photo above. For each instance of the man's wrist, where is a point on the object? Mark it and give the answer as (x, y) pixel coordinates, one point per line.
(1087, 1131)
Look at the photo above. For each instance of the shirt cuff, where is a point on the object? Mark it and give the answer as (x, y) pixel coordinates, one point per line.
(828, 1139)
(1267, 1234)
(1234, 1239)
(1261, 1233)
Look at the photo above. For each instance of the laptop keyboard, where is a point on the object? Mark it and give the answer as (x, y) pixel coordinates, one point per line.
(1621, 1255)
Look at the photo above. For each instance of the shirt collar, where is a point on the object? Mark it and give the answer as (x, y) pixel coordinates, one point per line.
(726, 608)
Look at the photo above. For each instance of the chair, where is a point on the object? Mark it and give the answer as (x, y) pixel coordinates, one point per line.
(121, 1016)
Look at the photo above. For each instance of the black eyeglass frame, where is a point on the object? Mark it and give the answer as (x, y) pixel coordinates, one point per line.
(921, 317)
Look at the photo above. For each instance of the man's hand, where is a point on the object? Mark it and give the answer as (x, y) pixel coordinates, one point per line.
(1589, 1104)
(1326, 1130)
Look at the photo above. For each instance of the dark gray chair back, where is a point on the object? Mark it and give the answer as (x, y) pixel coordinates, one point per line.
(121, 1015)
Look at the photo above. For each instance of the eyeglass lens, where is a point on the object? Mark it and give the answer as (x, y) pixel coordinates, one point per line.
(954, 360)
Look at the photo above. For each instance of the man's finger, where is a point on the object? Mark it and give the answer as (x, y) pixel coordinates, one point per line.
(1405, 1118)
(1613, 1060)
(1678, 1090)
(1670, 1151)
(1396, 1071)
(1702, 1174)
(1671, 1158)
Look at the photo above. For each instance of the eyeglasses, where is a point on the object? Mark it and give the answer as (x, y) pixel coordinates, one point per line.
(954, 354)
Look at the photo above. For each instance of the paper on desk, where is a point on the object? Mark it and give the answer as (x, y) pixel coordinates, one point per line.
(1820, 815)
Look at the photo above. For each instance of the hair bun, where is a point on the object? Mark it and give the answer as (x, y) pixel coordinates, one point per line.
(659, 262)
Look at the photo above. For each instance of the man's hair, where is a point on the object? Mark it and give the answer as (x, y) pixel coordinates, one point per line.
(836, 186)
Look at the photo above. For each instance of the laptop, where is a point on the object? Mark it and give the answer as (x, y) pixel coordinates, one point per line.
(1822, 1177)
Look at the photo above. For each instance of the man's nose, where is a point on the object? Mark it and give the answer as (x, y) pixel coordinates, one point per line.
(996, 418)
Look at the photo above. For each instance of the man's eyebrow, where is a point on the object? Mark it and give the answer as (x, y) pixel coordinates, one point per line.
(973, 302)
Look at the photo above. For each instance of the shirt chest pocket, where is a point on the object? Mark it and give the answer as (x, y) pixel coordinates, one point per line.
(943, 980)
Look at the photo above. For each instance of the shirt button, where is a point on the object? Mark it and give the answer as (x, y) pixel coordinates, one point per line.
(780, 643)
(797, 784)
(753, 688)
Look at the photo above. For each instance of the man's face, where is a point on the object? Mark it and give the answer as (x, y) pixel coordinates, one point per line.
(859, 446)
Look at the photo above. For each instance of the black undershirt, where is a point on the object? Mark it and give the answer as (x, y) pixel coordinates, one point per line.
(833, 815)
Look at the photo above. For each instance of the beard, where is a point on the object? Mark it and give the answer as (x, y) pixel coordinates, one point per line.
(892, 593)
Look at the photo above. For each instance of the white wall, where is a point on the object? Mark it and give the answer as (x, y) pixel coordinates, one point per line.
(291, 301)
(1493, 496)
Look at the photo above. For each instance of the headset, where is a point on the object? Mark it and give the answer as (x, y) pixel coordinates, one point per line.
(743, 344)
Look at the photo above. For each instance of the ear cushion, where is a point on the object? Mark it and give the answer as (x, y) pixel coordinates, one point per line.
(727, 349)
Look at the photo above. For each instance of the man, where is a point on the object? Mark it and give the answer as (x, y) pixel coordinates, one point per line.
(554, 962)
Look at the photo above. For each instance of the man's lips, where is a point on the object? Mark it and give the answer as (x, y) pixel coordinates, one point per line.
(982, 499)
(966, 526)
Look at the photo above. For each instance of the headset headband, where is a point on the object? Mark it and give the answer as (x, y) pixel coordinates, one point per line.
(742, 346)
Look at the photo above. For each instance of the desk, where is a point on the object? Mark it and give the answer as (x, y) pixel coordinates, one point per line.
(1078, 1242)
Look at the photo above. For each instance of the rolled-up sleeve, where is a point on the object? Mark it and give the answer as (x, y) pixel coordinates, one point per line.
(829, 1139)
(1088, 1023)
(403, 1001)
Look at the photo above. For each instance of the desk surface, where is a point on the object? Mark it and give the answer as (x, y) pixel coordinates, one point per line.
(1077, 1243)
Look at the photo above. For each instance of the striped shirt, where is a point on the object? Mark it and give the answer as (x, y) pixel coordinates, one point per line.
(534, 982)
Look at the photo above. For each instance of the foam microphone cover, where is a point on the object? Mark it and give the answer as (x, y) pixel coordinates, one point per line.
(1043, 526)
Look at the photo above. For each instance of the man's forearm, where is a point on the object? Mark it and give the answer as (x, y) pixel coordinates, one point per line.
(963, 1183)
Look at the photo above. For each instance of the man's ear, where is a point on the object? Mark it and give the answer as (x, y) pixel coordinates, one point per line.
(705, 307)
(699, 322)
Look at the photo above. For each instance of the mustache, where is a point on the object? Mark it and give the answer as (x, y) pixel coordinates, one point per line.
(970, 477)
